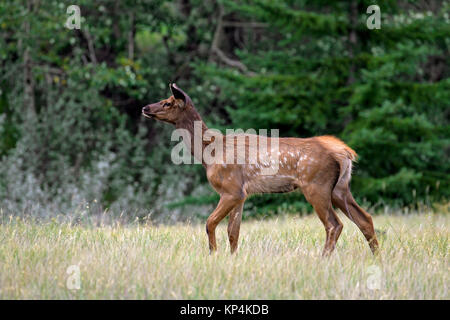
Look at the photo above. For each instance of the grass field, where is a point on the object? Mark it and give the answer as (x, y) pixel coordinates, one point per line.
(277, 259)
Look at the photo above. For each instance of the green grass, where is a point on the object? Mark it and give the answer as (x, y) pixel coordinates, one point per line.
(277, 259)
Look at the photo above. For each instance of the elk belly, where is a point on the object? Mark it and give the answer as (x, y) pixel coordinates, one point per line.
(271, 184)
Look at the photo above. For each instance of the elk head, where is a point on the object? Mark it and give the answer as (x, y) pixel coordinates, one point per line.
(171, 109)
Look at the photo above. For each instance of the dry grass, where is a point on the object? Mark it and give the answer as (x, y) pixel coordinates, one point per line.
(277, 259)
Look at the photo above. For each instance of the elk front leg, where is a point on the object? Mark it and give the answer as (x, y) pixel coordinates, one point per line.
(226, 203)
(234, 225)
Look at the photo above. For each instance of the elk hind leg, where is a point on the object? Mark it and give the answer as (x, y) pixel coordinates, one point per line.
(343, 199)
(320, 199)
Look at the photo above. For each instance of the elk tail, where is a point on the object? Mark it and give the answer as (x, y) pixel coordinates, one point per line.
(343, 182)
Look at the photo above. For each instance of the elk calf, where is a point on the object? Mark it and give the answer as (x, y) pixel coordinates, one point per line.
(320, 167)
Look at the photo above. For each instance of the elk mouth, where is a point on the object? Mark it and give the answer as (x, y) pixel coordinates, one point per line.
(148, 115)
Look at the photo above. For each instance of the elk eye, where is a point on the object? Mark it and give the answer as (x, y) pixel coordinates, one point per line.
(167, 104)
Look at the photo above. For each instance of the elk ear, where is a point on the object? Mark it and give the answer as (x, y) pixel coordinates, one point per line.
(180, 94)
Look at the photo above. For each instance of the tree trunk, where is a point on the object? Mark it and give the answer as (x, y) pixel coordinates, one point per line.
(131, 35)
(29, 99)
(352, 40)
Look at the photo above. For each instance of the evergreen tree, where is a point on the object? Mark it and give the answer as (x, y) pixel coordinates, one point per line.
(314, 67)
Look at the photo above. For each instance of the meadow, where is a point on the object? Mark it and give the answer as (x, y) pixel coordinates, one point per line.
(278, 258)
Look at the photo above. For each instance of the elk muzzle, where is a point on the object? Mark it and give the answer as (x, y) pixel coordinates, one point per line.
(151, 110)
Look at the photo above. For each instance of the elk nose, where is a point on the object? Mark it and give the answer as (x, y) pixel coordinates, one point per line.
(146, 109)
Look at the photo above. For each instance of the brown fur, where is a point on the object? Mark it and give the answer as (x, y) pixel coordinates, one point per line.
(320, 167)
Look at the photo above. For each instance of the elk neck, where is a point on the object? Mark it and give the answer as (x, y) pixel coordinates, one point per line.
(188, 122)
